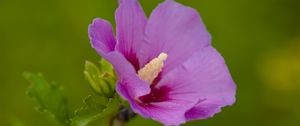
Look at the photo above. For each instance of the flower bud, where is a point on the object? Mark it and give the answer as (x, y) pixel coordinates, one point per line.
(101, 80)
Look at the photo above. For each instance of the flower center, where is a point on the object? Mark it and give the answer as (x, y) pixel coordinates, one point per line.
(151, 70)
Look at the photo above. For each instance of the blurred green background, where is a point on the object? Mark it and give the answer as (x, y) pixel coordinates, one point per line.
(260, 40)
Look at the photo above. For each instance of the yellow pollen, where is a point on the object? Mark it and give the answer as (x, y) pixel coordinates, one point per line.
(151, 70)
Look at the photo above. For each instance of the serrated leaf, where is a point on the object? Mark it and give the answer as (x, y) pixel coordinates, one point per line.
(49, 96)
(96, 107)
(102, 80)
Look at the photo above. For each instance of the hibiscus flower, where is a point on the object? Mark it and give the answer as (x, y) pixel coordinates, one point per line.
(167, 69)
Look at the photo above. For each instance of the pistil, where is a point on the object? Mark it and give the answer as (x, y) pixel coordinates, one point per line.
(151, 70)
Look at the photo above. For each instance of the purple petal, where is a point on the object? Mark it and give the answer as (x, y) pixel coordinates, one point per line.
(203, 110)
(167, 104)
(170, 112)
(102, 36)
(132, 87)
(130, 22)
(204, 76)
(102, 39)
(129, 84)
(173, 29)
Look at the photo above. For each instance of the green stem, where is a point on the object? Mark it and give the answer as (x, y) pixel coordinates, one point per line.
(125, 114)
(118, 122)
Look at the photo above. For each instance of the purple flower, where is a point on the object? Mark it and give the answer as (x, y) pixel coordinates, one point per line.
(166, 66)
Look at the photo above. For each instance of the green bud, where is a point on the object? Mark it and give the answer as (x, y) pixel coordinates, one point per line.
(102, 80)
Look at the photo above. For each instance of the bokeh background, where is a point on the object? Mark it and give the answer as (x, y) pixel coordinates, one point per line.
(260, 40)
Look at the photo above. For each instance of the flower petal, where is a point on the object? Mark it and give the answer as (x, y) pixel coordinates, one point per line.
(130, 22)
(173, 29)
(132, 87)
(102, 36)
(203, 110)
(170, 112)
(174, 106)
(102, 39)
(204, 76)
(127, 77)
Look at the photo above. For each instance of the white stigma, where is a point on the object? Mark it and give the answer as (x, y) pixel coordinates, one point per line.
(151, 70)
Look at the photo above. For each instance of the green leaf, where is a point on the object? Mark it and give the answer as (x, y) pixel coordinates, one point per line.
(96, 107)
(49, 96)
(102, 80)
